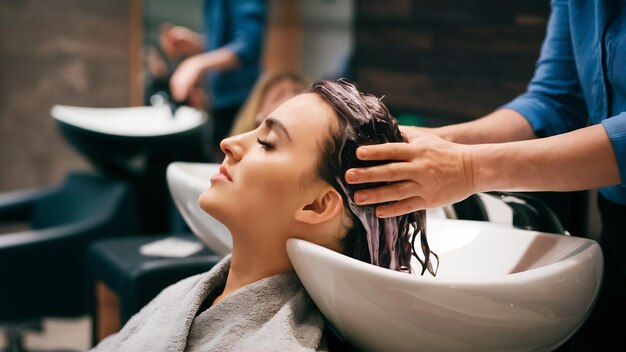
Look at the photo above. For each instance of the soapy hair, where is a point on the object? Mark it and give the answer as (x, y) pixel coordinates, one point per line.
(364, 120)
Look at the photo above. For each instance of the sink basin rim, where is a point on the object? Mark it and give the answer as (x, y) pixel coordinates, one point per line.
(66, 114)
(383, 273)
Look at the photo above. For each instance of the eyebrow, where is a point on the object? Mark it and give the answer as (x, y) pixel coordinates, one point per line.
(271, 122)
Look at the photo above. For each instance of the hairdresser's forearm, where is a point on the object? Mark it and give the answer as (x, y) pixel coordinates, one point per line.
(577, 160)
(504, 125)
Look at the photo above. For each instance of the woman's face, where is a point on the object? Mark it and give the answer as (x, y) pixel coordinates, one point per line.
(270, 173)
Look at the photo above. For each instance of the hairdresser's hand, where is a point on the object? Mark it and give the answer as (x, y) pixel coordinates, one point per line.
(429, 172)
(186, 77)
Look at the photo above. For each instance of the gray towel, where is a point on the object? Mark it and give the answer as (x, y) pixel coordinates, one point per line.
(272, 314)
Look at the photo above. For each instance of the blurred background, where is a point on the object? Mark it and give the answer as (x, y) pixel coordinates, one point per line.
(91, 53)
(442, 61)
(436, 62)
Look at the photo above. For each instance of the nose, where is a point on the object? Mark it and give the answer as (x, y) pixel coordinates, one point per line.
(232, 147)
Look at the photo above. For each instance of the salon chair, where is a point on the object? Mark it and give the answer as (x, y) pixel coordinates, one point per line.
(43, 269)
(136, 278)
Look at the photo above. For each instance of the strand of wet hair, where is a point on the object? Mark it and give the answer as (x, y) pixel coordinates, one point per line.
(426, 263)
(369, 121)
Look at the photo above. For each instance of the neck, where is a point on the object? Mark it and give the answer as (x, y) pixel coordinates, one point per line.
(250, 263)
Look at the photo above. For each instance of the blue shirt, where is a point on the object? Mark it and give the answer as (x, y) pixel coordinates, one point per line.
(238, 25)
(580, 77)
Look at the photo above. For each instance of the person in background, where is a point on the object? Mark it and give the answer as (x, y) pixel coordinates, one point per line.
(225, 61)
(576, 104)
(272, 89)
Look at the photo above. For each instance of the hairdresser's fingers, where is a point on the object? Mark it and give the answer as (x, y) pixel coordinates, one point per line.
(391, 192)
(386, 151)
(402, 207)
(381, 173)
(413, 132)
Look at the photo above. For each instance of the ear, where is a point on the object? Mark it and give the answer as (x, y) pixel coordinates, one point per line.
(324, 207)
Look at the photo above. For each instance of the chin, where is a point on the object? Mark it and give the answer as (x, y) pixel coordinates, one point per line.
(209, 204)
(215, 205)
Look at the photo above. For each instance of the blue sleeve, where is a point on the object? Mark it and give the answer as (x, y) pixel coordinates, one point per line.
(248, 18)
(616, 130)
(554, 101)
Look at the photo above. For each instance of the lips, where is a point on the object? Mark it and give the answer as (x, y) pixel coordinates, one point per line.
(224, 172)
(222, 175)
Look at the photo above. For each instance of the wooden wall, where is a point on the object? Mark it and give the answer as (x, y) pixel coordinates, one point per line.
(74, 52)
(283, 36)
(451, 60)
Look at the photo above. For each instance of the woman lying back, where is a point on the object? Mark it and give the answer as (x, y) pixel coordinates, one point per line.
(283, 180)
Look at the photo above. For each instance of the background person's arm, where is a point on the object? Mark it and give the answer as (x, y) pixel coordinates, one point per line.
(248, 18)
(188, 73)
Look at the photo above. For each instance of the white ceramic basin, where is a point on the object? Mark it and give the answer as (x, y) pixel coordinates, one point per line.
(133, 140)
(142, 121)
(498, 289)
(186, 182)
(136, 144)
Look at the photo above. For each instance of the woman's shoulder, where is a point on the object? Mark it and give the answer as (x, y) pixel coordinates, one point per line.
(199, 282)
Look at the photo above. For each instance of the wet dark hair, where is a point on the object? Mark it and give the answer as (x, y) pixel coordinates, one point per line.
(364, 120)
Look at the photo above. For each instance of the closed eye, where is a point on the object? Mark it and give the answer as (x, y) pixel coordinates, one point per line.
(265, 144)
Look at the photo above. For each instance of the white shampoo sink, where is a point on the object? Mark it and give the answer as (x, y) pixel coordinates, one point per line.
(497, 289)
(131, 140)
(186, 182)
